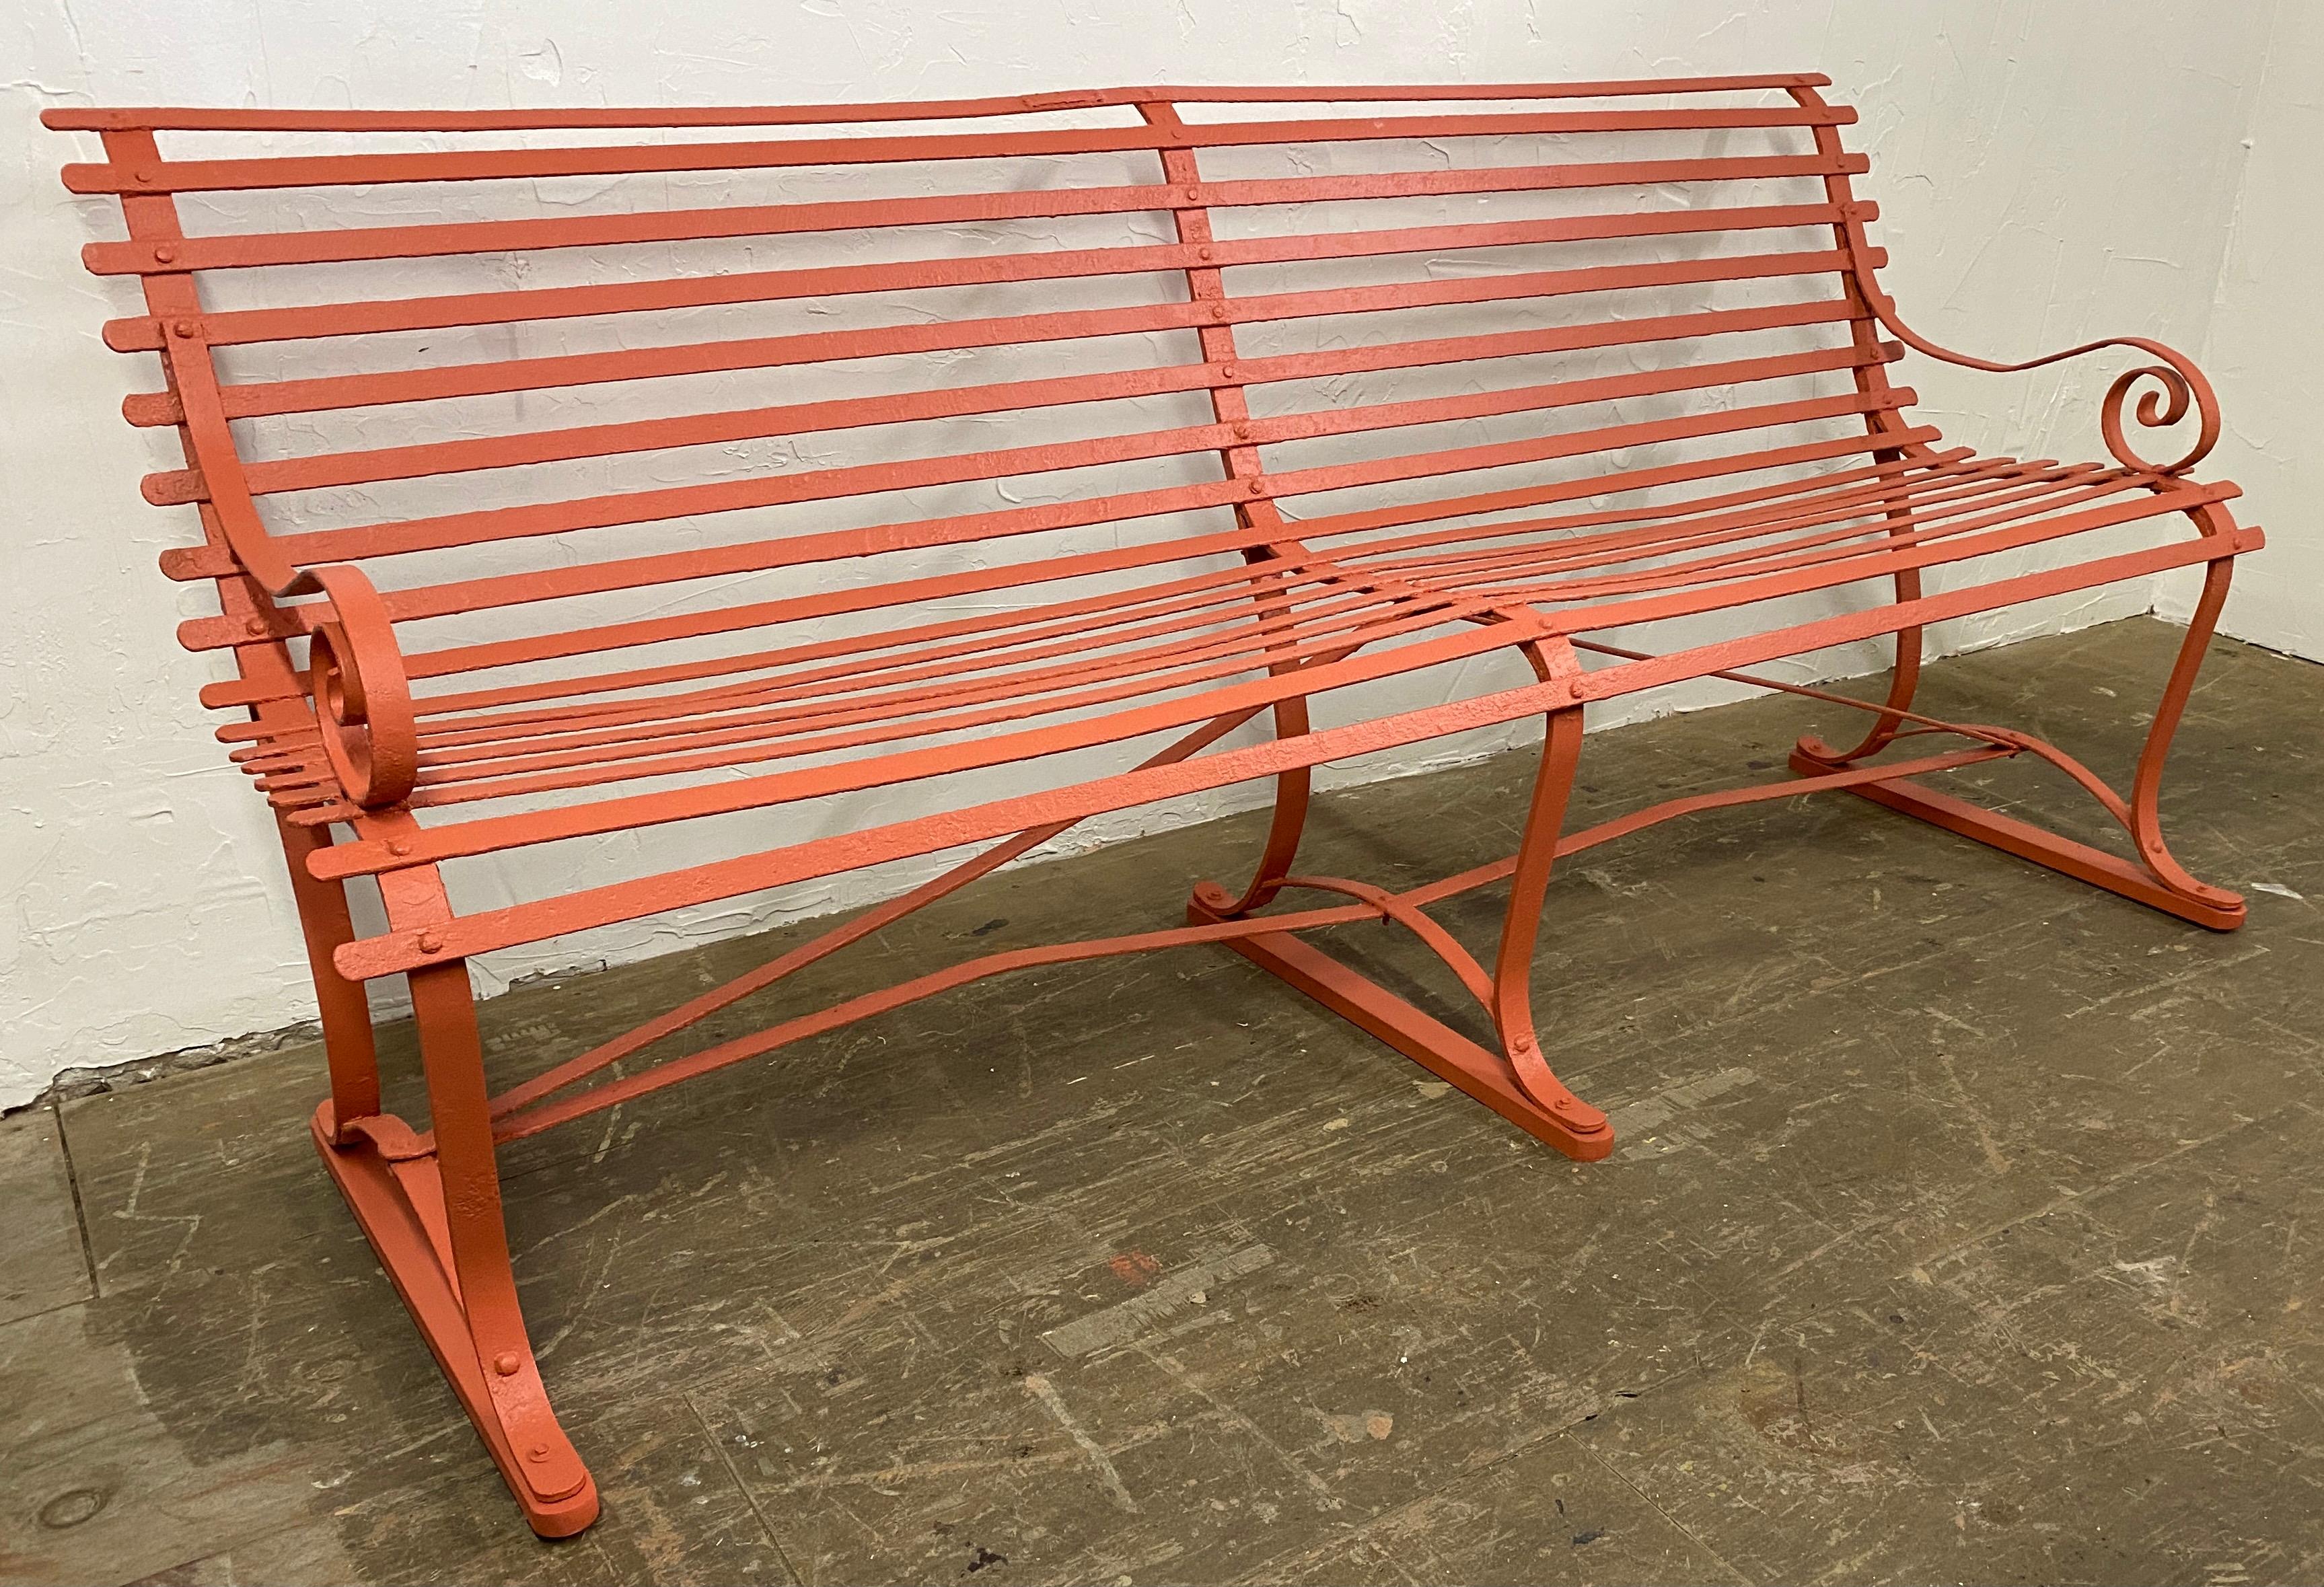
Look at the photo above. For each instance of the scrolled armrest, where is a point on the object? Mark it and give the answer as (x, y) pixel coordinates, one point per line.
(362, 698)
(2181, 385)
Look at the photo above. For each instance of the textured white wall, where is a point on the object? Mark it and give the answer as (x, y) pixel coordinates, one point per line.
(2048, 172)
(2266, 349)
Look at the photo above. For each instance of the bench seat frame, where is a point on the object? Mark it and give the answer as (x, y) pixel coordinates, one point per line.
(429, 1199)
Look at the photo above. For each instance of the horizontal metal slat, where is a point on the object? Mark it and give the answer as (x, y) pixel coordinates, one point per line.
(329, 245)
(609, 510)
(235, 327)
(314, 170)
(323, 470)
(66, 118)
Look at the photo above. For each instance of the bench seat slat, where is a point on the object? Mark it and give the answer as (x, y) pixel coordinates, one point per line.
(650, 506)
(1807, 540)
(1960, 488)
(1838, 492)
(489, 833)
(964, 665)
(643, 632)
(600, 578)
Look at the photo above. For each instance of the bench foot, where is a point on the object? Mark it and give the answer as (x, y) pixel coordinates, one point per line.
(2156, 878)
(2215, 908)
(1516, 1083)
(388, 1176)
(1434, 1046)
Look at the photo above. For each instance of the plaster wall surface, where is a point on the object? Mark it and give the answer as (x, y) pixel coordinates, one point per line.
(2266, 344)
(2048, 173)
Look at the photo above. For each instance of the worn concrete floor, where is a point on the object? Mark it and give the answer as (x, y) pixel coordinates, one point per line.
(1968, 1227)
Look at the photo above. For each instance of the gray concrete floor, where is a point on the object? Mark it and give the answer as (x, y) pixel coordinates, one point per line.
(1967, 1227)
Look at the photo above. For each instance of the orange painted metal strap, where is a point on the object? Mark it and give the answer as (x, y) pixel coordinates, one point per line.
(1003, 460)
(522, 164)
(103, 119)
(1349, 588)
(487, 930)
(236, 251)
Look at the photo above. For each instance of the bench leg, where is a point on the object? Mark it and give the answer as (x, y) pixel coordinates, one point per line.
(1517, 1082)
(323, 919)
(1903, 683)
(1294, 792)
(2156, 878)
(432, 1212)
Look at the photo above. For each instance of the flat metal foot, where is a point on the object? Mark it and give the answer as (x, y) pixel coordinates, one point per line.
(1436, 1047)
(2223, 911)
(389, 1198)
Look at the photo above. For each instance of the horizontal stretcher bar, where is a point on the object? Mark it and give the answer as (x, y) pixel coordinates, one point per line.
(313, 170)
(462, 937)
(453, 238)
(70, 118)
(242, 326)
(534, 1113)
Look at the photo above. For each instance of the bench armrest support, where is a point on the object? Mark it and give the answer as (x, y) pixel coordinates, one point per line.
(363, 696)
(2181, 386)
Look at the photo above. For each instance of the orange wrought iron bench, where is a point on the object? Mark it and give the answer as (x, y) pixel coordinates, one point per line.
(643, 509)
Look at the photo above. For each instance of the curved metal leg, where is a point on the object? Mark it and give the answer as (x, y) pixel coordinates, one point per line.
(1294, 792)
(2146, 783)
(1516, 1081)
(432, 1211)
(1511, 1003)
(323, 919)
(1903, 683)
(2156, 878)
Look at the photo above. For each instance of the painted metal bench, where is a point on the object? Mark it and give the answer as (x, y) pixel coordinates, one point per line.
(1004, 459)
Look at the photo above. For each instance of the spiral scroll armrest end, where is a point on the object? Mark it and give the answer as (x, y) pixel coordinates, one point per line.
(2179, 386)
(361, 695)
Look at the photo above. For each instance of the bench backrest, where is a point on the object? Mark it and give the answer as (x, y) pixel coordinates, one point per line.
(656, 378)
